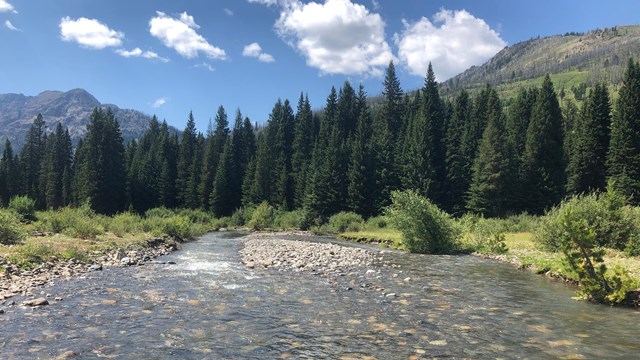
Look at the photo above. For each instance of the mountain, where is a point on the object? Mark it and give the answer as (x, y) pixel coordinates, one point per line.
(72, 109)
(574, 60)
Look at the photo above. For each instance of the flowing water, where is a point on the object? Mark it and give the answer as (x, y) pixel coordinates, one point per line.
(208, 306)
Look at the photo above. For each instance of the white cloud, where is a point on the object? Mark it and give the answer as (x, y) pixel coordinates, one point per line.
(6, 7)
(89, 33)
(337, 37)
(10, 26)
(206, 66)
(263, 2)
(137, 52)
(159, 102)
(376, 5)
(228, 11)
(453, 42)
(180, 35)
(255, 50)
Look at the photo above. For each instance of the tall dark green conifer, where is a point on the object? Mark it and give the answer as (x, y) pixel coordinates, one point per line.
(491, 188)
(458, 178)
(186, 153)
(586, 170)
(31, 158)
(302, 149)
(9, 174)
(360, 174)
(222, 197)
(214, 145)
(623, 163)
(543, 157)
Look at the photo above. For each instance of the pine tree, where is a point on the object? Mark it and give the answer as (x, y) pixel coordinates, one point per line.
(281, 130)
(56, 160)
(193, 199)
(543, 157)
(213, 149)
(302, 149)
(458, 179)
(9, 176)
(359, 172)
(493, 169)
(347, 110)
(586, 170)
(184, 164)
(391, 110)
(623, 162)
(31, 158)
(222, 197)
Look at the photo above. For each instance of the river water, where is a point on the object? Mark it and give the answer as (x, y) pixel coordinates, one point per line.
(209, 306)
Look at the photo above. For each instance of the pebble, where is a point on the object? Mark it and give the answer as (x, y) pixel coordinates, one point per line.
(36, 302)
(1, 311)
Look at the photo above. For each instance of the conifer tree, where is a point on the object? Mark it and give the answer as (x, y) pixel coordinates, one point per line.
(31, 158)
(586, 170)
(623, 162)
(193, 199)
(543, 157)
(214, 145)
(493, 169)
(184, 165)
(222, 197)
(9, 176)
(360, 175)
(56, 160)
(391, 110)
(302, 149)
(458, 178)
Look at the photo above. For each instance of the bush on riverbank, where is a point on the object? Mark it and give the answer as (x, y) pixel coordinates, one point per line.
(262, 217)
(24, 207)
(10, 230)
(425, 228)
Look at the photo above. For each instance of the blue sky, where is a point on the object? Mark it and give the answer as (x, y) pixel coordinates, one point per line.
(168, 57)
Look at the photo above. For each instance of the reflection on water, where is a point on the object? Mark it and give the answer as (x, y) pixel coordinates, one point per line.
(208, 305)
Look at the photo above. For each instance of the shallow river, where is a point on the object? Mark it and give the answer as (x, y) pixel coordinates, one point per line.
(209, 306)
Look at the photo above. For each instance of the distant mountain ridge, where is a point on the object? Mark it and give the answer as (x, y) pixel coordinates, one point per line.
(597, 56)
(72, 109)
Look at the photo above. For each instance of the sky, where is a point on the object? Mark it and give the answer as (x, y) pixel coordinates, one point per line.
(168, 57)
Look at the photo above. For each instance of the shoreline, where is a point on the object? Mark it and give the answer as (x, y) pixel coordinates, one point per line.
(31, 283)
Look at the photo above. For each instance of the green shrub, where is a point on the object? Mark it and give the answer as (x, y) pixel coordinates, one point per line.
(289, 220)
(345, 221)
(425, 228)
(485, 238)
(11, 231)
(221, 223)
(177, 226)
(159, 212)
(24, 206)
(242, 216)
(30, 254)
(125, 223)
(79, 222)
(196, 216)
(377, 222)
(262, 217)
(73, 252)
(604, 214)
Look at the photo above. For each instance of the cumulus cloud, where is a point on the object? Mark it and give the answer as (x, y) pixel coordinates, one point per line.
(180, 34)
(159, 102)
(263, 2)
(255, 50)
(337, 37)
(89, 33)
(453, 42)
(137, 52)
(10, 26)
(6, 7)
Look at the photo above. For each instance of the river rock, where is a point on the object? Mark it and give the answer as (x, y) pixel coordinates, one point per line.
(36, 302)
(95, 267)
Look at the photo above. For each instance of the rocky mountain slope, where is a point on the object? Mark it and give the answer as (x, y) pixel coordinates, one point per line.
(72, 109)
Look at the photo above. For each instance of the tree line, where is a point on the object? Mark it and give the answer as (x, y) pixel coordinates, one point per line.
(474, 153)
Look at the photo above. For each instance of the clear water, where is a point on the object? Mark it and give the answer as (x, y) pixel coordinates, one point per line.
(208, 306)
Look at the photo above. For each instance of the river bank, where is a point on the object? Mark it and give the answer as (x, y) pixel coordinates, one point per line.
(33, 280)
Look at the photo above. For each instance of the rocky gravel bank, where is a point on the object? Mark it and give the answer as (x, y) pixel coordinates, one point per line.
(15, 281)
(270, 250)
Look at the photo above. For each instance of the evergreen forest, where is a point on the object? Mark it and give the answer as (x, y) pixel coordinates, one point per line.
(473, 152)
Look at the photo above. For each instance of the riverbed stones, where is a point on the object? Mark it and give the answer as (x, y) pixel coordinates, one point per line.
(272, 251)
(36, 302)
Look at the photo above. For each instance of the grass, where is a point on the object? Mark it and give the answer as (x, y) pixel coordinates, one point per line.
(385, 236)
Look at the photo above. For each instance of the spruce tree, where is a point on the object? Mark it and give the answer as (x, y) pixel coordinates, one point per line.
(543, 157)
(360, 174)
(458, 178)
(184, 164)
(9, 176)
(302, 149)
(493, 169)
(586, 170)
(31, 159)
(222, 197)
(213, 149)
(623, 162)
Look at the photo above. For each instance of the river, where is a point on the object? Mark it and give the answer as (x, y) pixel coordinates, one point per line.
(209, 306)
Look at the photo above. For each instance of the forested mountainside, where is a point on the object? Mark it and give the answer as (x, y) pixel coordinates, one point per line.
(572, 59)
(72, 109)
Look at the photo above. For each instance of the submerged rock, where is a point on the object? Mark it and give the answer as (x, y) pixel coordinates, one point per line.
(36, 302)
